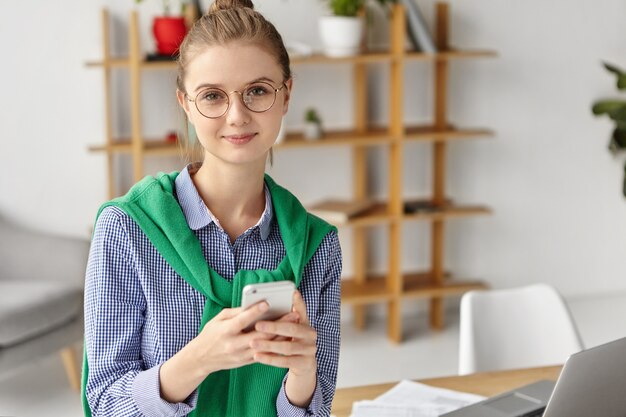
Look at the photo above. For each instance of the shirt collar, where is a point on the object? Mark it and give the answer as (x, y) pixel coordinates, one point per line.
(198, 214)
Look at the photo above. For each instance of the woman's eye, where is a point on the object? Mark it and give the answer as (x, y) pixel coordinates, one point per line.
(257, 90)
(212, 96)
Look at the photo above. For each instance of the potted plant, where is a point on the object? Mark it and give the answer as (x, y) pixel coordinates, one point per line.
(616, 110)
(342, 32)
(168, 30)
(312, 125)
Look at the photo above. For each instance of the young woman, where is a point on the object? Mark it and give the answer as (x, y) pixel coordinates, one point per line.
(163, 327)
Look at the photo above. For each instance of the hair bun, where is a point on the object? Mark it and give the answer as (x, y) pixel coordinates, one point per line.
(229, 4)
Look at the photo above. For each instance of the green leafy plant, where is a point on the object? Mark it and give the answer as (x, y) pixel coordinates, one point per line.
(351, 8)
(615, 109)
(166, 6)
(311, 116)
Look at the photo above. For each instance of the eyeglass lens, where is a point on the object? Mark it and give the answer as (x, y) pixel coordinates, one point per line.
(257, 97)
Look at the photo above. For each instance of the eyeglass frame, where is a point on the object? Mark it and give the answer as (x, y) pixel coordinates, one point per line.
(276, 90)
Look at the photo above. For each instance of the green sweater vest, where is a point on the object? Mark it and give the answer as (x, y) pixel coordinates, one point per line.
(249, 391)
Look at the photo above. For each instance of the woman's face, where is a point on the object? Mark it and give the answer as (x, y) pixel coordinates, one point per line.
(240, 136)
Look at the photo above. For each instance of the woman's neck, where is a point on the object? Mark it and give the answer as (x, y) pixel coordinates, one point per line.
(234, 193)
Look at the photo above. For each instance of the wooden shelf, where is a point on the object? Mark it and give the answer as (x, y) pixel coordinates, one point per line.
(394, 286)
(417, 285)
(317, 58)
(125, 63)
(150, 147)
(450, 54)
(432, 134)
(375, 137)
(376, 215)
(373, 291)
(448, 212)
(121, 62)
(364, 58)
(380, 136)
(422, 285)
(380, 214)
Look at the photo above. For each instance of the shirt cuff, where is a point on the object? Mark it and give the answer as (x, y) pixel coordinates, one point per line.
(147, 396)
(286, 409)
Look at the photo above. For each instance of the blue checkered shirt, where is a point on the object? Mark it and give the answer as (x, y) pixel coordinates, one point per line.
(139, 312)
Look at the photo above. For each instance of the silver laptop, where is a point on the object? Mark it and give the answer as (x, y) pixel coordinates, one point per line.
(592, 383)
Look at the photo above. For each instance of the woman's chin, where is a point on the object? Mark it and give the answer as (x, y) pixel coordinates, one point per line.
(244, 158)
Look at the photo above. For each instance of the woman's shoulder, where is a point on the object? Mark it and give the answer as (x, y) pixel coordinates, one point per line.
(330, 242)
(328, 250)
(112, 220)
(112, 215)
(318, 221)
(325, 265)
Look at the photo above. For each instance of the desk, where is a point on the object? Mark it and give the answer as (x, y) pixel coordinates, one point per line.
(486, 384)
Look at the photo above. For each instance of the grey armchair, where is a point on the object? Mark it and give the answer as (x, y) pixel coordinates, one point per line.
(41, 297)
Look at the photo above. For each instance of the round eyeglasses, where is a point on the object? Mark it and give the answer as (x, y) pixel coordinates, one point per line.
(214, 102)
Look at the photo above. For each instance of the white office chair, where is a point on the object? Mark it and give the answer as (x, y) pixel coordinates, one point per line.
(515, 328)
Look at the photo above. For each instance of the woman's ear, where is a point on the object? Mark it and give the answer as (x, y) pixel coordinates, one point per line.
(183, 102)
(289, 85)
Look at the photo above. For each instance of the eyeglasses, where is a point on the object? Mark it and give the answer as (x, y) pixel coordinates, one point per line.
(214, 102)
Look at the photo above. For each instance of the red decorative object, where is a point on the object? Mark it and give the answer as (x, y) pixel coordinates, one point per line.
(171, 137)
(168, 33)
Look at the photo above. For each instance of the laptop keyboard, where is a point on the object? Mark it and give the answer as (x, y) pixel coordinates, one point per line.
(535, 413)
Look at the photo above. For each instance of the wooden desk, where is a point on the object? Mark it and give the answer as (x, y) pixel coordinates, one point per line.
(487, 384)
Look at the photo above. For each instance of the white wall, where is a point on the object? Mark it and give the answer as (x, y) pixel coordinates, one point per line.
(555, 189)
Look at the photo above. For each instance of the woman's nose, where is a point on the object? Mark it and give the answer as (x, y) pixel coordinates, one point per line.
(237, 113)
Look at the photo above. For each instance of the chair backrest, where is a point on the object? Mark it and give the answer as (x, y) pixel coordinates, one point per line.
(515, 328)
(28, 255)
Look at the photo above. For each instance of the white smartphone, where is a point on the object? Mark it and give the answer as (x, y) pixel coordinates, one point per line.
(277, 294)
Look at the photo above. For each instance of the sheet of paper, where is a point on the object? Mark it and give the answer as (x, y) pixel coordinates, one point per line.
(412, 399)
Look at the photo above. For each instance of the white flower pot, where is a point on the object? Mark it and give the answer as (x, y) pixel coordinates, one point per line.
(312, 131)
(341, 36)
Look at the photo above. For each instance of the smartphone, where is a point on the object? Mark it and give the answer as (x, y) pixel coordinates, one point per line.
(277, 294)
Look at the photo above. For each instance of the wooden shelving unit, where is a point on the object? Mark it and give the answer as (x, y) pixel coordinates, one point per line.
(362, 289)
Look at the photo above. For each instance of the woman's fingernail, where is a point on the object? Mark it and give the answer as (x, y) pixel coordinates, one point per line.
(263, 306)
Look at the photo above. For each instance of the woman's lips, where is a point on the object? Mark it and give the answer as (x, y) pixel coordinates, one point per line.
(240, 139)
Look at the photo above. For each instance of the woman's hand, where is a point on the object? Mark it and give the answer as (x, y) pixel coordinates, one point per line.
(290, 343)
(221, 344)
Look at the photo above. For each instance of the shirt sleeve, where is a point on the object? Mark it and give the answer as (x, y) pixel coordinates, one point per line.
(117, 382)
(286, 409)
(321, 290)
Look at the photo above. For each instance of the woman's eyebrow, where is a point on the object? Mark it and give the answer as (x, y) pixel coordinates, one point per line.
(221, 86)
(207, 85)
(266, 79)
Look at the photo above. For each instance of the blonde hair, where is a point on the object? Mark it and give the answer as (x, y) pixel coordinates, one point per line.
(228, 21)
